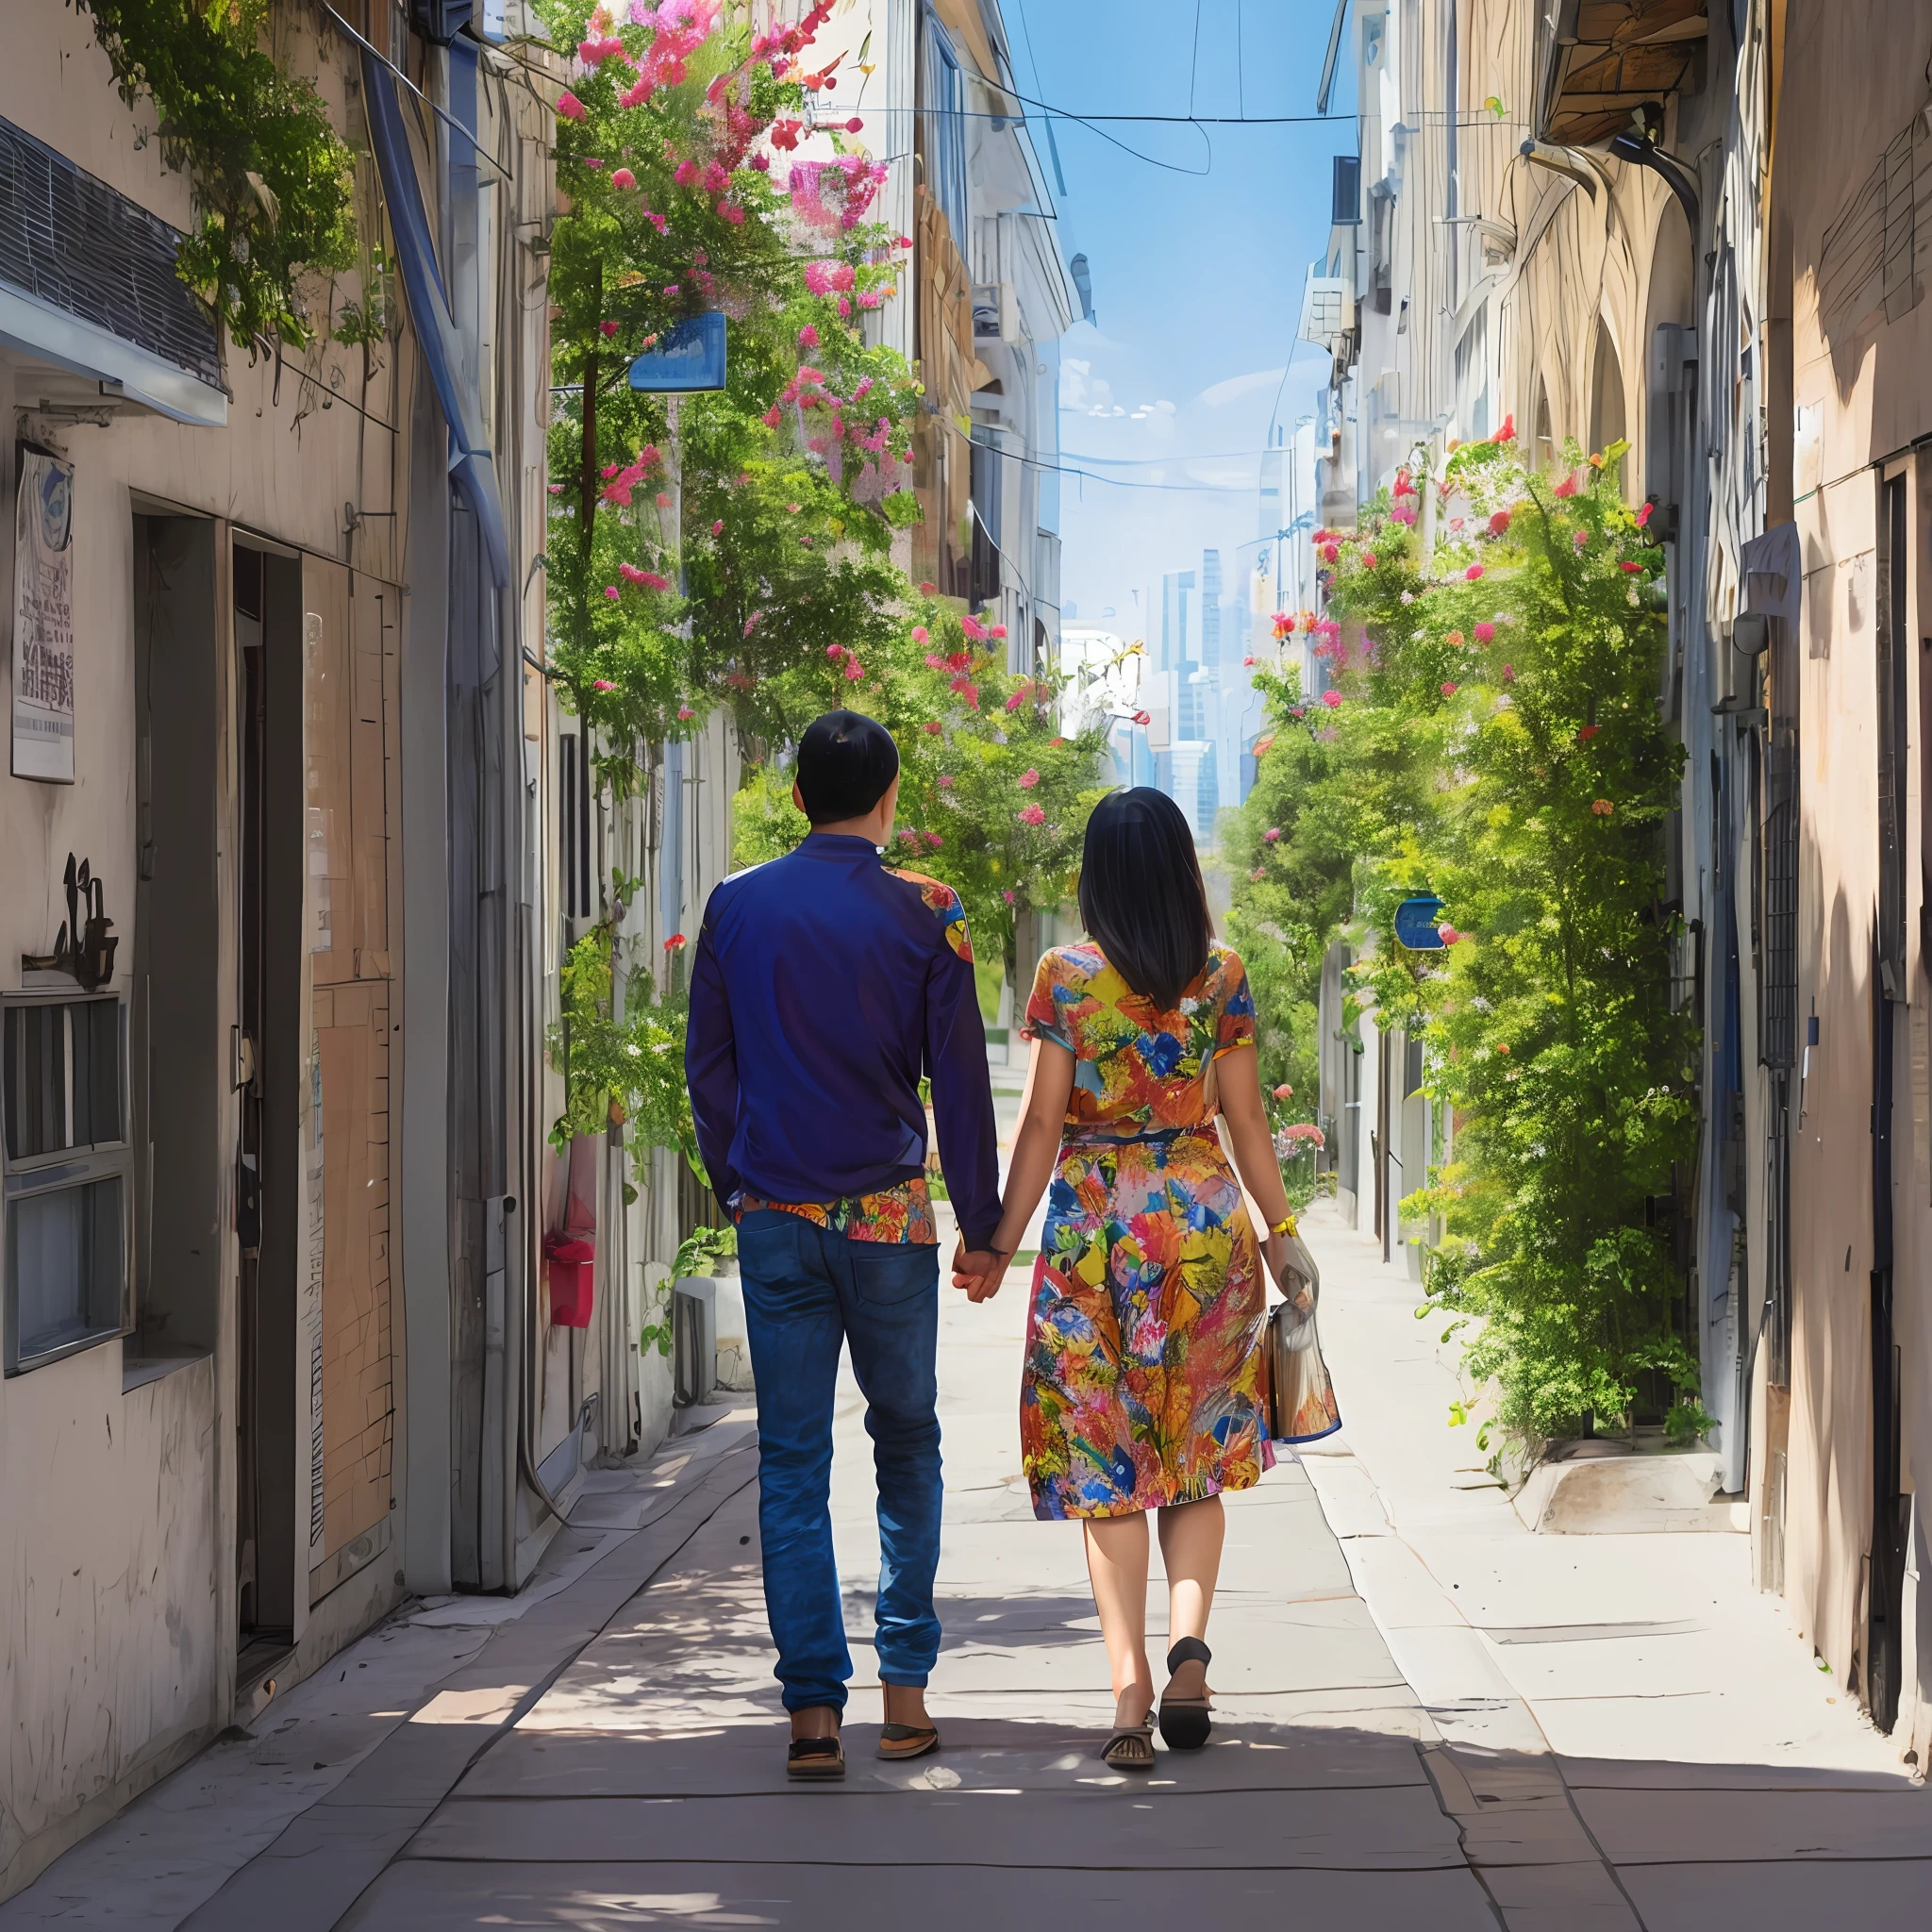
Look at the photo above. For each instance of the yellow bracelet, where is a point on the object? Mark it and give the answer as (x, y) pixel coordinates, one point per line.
(1286, 1225)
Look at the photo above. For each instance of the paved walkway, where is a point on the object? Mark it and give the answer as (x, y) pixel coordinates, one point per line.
(1426, 1716)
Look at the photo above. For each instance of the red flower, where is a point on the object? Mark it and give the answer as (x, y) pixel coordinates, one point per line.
(1567, 487)
(1628, 568)
(1029, 779)
(1500, 522)
(1586, 733)
(675, 943)
(1032, 815)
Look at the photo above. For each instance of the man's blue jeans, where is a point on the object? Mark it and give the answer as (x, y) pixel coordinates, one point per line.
(806, 1289)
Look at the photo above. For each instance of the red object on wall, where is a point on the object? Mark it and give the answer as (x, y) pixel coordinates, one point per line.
(573, 1276)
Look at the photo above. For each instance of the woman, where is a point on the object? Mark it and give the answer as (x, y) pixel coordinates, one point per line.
(1143, 1382)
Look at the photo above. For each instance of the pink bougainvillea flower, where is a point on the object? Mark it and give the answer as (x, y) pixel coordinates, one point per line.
(671, 288)
(835, 652)
(920, 634)
(927, 589)
(1508, 432)
(606, 329)
(569, 107)
(1508, 674)
(1448, 935)
(663, 499)
(1499, 523)
(718, 527)
(958, 660)
(933, 728)
(1474, 571)
(1628, 568)
(1369, 559)
(1257, 875)
(769, 418)
(1143, 718)
(1485, 633)
(1332, 699)
(1032, 815)
(1271, 834)
(1448, 688)
(612, 591)
(1007, 894)
(1029, 779)
(792, 508)
(603, 684)
(855, 125)
(1643, 514)
(973, 629)
(555, 488)
(945, 779)
(854, 668)
(1579, 538)
(686, 173)
(1247, 663)
(999, 630)
(807, 337)
(1331, 553)
(933, 661)
(623, 178)
(1567, 487)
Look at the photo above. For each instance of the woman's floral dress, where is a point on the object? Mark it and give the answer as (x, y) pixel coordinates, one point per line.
(1143, 1376)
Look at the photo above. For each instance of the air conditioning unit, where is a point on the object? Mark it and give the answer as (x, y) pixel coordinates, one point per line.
(995, 316)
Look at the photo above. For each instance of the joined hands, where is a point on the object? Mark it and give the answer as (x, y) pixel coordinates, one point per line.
(978, 1270)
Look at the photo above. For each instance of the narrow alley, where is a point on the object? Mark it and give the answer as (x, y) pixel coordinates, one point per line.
(1425, 1715)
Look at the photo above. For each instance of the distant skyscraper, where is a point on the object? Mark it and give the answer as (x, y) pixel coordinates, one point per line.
(1210, 609)
(1176, 610)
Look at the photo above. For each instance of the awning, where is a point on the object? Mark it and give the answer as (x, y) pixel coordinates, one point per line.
(470, 461)
(88, 284)
(1608, 60)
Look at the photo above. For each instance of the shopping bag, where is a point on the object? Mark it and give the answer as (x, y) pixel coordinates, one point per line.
(1301, 1398)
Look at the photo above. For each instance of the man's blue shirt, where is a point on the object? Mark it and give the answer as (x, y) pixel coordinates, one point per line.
(823, 985)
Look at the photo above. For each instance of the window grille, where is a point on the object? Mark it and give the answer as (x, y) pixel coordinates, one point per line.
(67, 1164)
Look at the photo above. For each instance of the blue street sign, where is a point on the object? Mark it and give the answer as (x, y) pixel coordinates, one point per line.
(688, 355)
(1415, 924)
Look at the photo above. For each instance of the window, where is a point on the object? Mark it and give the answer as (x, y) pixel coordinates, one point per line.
(66, 1156)
(942, 129)
(1606, 425)
(1472, 379)
(1545, 430)
(574, 820)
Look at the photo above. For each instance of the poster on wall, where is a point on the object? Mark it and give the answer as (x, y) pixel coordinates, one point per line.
(42, 669)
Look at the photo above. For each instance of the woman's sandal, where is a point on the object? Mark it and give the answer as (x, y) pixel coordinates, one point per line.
(1185, 1722)
(897, 1741)
(812, 1760)
(1131, 1747)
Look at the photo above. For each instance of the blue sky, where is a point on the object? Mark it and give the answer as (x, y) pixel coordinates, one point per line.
(1196, 275)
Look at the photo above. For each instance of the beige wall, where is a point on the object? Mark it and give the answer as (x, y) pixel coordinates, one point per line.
(1862, 389)
(117, 1508)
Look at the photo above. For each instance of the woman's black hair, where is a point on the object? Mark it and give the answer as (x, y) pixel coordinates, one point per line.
(845, 763)
(1142, 897)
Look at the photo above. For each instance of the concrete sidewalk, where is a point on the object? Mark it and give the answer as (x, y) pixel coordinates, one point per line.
(1426, 1716)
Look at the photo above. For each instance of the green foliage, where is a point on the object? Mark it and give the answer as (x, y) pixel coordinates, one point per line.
(993, 798)
(621, 1070)
(1493, 737)
(273, 181)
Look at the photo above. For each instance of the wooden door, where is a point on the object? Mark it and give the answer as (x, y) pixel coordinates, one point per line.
(349, 777)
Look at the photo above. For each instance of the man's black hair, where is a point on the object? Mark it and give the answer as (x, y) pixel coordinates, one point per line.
(846, 762)
(1141, 896)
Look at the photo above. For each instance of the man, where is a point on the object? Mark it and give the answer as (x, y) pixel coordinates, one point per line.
(825, 984)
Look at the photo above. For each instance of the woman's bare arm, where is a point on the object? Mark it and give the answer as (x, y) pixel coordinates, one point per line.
(1036, 1149)
(1239, 1077)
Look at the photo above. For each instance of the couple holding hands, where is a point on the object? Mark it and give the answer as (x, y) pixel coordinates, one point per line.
(824, 985)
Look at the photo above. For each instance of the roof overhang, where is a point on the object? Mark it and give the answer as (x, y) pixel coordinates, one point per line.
(127, 372)
(1607, 61)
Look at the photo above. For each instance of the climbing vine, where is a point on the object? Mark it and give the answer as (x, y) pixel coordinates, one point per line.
(1492, 737)
(273, 181)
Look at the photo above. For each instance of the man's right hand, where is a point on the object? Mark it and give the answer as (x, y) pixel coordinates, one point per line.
(979, 1272)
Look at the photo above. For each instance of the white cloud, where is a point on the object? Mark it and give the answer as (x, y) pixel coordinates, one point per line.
(1237, 386)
